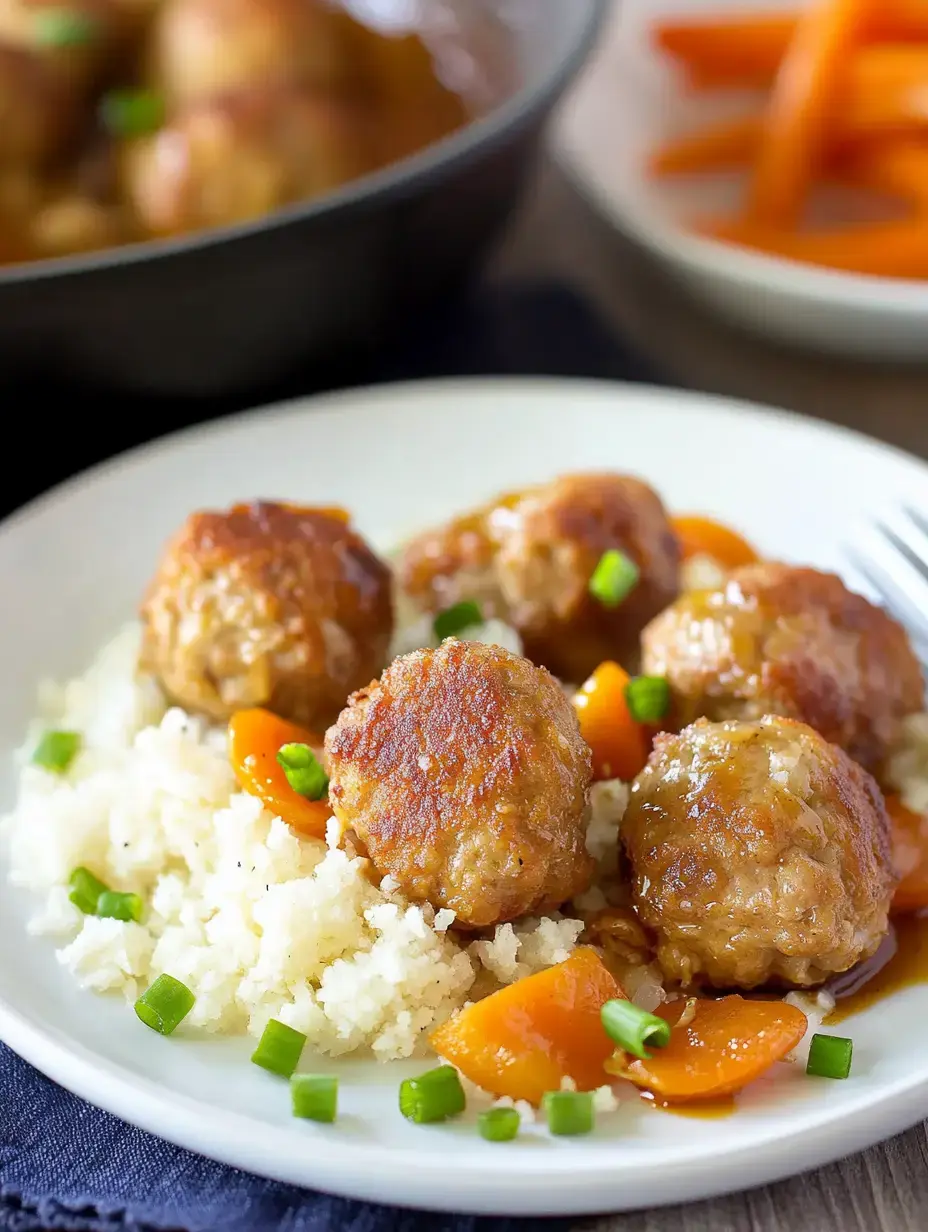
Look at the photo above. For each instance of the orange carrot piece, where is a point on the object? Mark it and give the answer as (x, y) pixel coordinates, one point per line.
(882, 250)
(910, 854)
(896, 167)
(725, 146)
(746, 49)
(255, 737)
(727, 1044)
(619, 745)
(527, 1038)
(699, 536)
(797, 116)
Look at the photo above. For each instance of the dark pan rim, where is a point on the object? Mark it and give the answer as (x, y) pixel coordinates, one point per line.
(400, 179)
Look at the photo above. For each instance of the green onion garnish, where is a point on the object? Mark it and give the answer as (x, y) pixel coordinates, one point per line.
(569, 1112)
(830, 1056)
(614, 578)
(64, 28)
(304, 773)
(165, 1005)
(433, 1096)
(648, 698)
(86, 890)
(632, 1028)
(113, 905)
(498, 1124)
(279, 1048)
(314, 1097)
(131, 113)
(56, 750)
(456, 619)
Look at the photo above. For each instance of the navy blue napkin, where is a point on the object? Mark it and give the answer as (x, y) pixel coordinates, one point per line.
(68, 1167)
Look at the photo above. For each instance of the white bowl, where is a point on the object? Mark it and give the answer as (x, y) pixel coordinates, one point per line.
(627, 102)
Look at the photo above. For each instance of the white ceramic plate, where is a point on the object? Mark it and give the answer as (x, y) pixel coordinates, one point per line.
(73, 565)
(625, 103)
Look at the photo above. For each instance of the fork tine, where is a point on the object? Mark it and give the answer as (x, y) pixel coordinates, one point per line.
(897, 581)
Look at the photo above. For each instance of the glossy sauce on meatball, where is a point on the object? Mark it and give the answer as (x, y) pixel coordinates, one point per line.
(463, 773)
(778, 639)
(759, 854)
(267, 605)
(528, 559)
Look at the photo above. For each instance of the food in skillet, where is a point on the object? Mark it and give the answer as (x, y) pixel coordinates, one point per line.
(778, 639)
(529, 558)
(759, 855)
(446, 864)
(121, 121)
(267, 605)
(464, 775)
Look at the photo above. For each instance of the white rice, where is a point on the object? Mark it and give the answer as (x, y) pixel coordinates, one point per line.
(255, 920)
(908, 766)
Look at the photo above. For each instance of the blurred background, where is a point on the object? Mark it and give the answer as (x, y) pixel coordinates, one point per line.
(207, 205)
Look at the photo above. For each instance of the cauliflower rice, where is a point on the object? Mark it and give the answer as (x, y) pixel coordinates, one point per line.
(258, 922)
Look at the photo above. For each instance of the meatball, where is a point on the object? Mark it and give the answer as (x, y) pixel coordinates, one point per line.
(235, 159)
(204, 48)
(267, 605)
(464, 775)
(528, 559)
(36, 111)
(777, 639)
(759, 854)
(74, 43)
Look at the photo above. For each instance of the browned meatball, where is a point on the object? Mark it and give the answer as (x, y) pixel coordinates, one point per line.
(463, 773)
(528, 559)
(36, 110)
(204, 48)
(267, 605)
(234, 159)
(778, 639)
(759, 853)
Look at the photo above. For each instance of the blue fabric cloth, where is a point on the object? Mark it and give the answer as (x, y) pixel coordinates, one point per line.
(67, 1166)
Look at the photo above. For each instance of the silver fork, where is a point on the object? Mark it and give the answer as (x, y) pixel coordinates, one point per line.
(893, 557)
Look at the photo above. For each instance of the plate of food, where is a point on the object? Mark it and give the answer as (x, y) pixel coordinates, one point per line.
(510, 771)
(770, 155)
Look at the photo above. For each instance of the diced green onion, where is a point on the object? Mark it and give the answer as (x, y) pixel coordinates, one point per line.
(648, 698)
(304, 773)
(113, 905)
(499, 1124)
(632, 1028)
(131, 113)
(456, 619)
(614, 578)
(86, 890)
(56, 750)
(433, 1096)
(830, 1056)
(314, 1097)
(64, 28)
(569, 1112)
(165, 1005)
(279, 1048)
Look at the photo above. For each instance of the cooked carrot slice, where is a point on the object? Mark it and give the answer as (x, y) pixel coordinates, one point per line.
(896, 167)
(619, 745)
(887, 250)
(255, 737)
(746, 49)
(727, 1044)
(910, 854)
(526, 1039)
(797, 116)
(701, 536)
(725, 146)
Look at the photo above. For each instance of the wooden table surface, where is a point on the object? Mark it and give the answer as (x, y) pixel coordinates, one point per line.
(557, 234)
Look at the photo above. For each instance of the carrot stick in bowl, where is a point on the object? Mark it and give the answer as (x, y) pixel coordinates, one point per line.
(882, 250)
(797, 116)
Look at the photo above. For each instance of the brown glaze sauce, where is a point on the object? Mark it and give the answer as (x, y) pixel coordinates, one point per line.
(901, 961)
